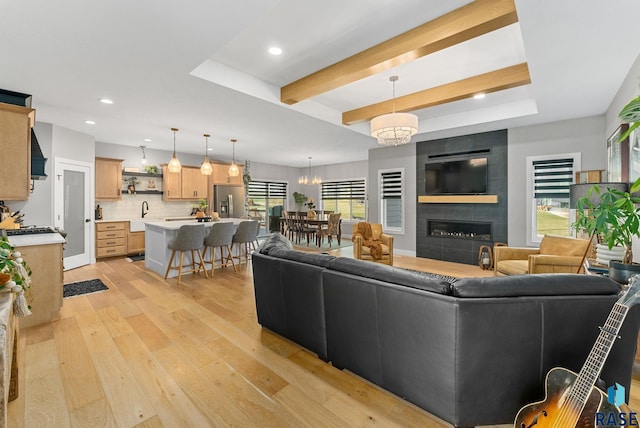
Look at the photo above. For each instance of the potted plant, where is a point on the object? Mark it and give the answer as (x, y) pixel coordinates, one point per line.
(202, 208)
(131, 184)
(616, 220)
(300, 199)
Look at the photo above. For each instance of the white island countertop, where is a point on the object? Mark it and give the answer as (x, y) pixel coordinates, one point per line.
(175, 225)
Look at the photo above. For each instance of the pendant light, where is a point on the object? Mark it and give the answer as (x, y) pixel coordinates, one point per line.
(304, 179)
(206, 168)
(144, 155)
(394, 128)
(174, 163)
(234, 171)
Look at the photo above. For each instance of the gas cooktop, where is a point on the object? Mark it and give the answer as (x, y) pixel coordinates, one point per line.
(30, 231)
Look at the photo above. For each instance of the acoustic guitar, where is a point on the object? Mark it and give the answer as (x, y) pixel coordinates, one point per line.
(572, 400)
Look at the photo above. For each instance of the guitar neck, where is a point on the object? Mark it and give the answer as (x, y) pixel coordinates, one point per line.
(599, 353)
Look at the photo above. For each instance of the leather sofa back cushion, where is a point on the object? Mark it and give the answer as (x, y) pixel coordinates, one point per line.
(390, 274)
(563, 246)
(321, 260)
(535, 285)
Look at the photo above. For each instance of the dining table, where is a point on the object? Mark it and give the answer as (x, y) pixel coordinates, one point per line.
(319, 222)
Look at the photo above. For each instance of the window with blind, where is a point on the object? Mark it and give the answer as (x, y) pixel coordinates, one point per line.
(392, 200)
(550, 178)
(347, 197)
(266, 201)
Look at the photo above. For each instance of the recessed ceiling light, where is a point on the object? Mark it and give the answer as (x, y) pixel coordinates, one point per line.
(210, 149)
(148, 140)
(89, 122)
(478, 96)
(106, 101)
(275, 50)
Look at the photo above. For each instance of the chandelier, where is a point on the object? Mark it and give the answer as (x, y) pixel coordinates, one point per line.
(392, 129)
(206, 168)
(234, 171)
(174, 163)
(306, 179)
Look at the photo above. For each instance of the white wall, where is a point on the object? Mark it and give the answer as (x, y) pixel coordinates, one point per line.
(585, 136)
(403, 156)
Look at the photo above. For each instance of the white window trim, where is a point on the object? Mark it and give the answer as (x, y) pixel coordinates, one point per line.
(386, 229)
(530, 222)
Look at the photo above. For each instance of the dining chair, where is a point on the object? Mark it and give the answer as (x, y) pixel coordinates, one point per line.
(331, 229)
(190, 238)
(220, 236)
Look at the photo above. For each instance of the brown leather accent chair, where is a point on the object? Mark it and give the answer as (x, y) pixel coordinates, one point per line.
(364, 253)
(557, 254)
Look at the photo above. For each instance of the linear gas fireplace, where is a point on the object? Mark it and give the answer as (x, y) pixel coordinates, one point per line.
(473, 230)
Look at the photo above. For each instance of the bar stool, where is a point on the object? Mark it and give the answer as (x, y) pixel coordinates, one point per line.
(220, 236)
(190, 238)
(246, 234)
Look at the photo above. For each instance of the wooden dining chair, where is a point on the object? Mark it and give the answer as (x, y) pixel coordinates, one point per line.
(331, 229)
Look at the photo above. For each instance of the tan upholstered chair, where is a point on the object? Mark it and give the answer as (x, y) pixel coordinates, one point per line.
(557, 254)
(364, 253)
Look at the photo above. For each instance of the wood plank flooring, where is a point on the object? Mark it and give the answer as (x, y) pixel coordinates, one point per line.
(150, 353)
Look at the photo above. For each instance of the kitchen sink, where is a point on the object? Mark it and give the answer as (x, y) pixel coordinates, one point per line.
(137, 224)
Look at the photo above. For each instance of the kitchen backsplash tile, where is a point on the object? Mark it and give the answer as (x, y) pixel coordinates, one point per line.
(131, 207)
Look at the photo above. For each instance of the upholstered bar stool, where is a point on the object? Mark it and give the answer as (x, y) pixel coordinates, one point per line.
(220, 236)
(246, 234)
(190, 238)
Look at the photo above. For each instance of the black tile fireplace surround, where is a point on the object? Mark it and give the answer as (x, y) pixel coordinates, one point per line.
(474, 230)
(471, 225)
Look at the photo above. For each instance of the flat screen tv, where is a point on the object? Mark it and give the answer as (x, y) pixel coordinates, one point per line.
(463, 177)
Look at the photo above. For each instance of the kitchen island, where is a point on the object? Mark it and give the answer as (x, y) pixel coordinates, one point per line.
(157, 236)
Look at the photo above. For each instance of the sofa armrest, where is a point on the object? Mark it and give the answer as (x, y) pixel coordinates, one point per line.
(547, 263)
(357, 246)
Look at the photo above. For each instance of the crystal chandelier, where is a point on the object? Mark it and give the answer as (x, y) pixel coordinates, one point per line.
(234, 171)
(206, 168)
(304, 179)
(174, 163)
(392, 129)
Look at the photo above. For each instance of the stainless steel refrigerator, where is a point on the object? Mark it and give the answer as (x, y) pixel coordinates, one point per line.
(228, 201)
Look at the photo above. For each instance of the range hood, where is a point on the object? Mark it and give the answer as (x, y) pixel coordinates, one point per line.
(37, 159)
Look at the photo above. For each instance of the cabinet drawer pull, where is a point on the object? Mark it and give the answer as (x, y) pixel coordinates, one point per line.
(111, 243)
(111, 251)
(111, 234)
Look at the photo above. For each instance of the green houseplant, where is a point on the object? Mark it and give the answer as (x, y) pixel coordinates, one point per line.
(300, 199)
(615, 218)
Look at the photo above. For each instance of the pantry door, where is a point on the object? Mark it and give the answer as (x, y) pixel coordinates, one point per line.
(73, 212)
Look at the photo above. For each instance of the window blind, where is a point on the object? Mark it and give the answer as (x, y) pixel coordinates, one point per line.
(551, 178)
(267, 189)
(349, 189)
(391, 183)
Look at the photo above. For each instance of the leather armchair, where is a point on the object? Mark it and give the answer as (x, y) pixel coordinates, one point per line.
(364, 253)
(557, 254)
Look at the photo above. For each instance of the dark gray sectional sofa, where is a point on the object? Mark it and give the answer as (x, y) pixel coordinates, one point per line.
(472, 352)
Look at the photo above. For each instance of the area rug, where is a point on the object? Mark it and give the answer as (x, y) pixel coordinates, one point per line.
(83, 287)
(135, 258)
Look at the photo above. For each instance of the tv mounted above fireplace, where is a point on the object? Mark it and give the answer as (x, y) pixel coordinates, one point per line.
(461, 177)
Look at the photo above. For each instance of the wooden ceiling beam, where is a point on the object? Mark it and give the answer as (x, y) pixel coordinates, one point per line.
(472, 20)
(498, 80)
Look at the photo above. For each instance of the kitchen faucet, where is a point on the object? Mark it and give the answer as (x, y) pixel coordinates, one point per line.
(143, 211)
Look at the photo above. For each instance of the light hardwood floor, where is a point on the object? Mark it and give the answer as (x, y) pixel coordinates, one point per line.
(150, 353)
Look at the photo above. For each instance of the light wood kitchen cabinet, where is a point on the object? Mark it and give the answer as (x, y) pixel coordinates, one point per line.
(188, 184)
(135, 242)
(46, 289)
(15, 146)
(108, 179)
(221, 174)
(171, 184)
(194, 183)
(111, 238)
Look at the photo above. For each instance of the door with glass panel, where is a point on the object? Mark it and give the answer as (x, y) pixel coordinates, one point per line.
(73, 210)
